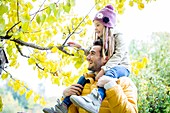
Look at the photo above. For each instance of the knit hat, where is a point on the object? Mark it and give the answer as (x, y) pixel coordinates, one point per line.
(106, 16)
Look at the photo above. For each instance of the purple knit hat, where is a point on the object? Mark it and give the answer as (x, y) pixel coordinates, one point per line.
(106, 16)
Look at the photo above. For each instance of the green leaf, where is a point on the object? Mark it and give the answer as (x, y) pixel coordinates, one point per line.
(3, 9)
(51, 19)
(72, 2)
(78, 64)
(43, 17)
(53, 8)
(2, 24)
(25, 26)
(1, 104)
(25, 18)
(67, 7)
(38, 19)
(48, 11)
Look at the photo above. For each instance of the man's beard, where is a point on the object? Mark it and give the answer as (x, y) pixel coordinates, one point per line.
(92, 68)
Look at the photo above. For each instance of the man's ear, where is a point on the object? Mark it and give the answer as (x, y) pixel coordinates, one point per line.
(106, 58)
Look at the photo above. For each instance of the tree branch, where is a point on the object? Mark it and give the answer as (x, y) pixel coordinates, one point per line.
(21, 51)
(12, 28)
(22, 43)
(5, 37)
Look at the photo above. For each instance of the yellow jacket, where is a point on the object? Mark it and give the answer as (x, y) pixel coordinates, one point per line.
(121, 98)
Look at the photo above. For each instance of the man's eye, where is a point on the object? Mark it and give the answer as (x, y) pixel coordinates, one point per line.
(93, 53)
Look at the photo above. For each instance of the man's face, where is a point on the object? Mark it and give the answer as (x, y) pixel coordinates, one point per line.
(94, 58)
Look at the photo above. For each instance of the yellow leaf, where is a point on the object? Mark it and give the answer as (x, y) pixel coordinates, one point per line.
(54, 31)
(145, 60)
(22, 90)
(51, 44)
(56, 81)
(16, 85)
(72, 37)
(42, 101)
(45, 74)
(136, 72)
(140, 65)
(83, 24)
(41, 58)
(10, 83)
(120, 5)
(89, 22)
(36, 98)
(131, 3)
(40, 76)
(13, 63)
(54, 49)
(31, 61)
(141, 6)
(28, 94)
(4, 76)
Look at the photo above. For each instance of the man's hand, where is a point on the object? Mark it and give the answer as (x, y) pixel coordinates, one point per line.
(104, 80)
(101, 73)
(74, 89)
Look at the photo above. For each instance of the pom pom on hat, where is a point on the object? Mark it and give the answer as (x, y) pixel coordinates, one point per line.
(106, 16)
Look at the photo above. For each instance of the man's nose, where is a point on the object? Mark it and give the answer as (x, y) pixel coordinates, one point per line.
(88, 57)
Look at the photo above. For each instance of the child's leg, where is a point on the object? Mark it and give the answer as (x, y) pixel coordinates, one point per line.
(115, 72)
(81, 81)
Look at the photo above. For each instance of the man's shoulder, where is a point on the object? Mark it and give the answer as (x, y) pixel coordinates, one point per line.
(125, 82)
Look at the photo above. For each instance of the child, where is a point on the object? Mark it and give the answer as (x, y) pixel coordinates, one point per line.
(113, 47)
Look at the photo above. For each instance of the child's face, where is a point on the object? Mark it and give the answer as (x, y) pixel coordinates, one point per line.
(98, 28)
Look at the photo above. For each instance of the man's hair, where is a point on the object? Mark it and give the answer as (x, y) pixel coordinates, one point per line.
(99, 42)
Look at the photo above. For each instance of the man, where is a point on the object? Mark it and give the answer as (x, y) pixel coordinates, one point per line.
(121, 94)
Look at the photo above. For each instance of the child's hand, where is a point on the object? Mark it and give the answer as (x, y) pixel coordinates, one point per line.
(73, 44)
(101, 73)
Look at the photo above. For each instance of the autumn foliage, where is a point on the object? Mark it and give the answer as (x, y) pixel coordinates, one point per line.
(39, 28)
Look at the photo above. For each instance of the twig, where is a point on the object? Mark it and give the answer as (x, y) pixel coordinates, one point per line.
(39, 67)
(38, 11)
(21, 51)
(12, 77)
(12, 27)
(17, 10)
(77, 26)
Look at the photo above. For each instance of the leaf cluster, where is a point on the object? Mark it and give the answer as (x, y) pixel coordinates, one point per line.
(153, 81)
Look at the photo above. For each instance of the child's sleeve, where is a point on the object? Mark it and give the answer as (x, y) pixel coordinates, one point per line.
(118, 52)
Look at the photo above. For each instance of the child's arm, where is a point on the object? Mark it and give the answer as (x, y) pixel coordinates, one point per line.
(73, 44)
(101, 73)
